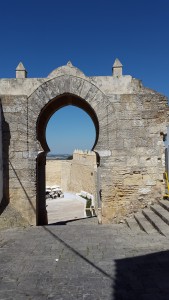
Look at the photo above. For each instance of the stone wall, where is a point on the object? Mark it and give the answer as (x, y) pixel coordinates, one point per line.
(80, 173)
(19, 169)
(131, 123)
(53, 172)
(1, 161)
(135, 168)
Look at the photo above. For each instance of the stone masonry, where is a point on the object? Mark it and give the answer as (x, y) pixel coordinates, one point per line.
(131, 123)
(74, 175)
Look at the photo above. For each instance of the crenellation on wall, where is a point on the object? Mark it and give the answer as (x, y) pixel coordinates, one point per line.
(84, 157)
(21, 71)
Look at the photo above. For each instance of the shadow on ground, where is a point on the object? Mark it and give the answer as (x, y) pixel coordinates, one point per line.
(75, 221)
(142, 278)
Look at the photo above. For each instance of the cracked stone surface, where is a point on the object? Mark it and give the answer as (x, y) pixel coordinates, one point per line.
(83, 262)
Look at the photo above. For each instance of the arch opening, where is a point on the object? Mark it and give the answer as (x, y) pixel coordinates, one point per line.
(56, 104)
(46, 113)
(69, 128)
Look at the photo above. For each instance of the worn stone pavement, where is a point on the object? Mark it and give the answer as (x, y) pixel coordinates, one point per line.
(87, 261)
(68, 208)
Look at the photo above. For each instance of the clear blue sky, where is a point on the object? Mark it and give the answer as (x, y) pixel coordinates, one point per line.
(68, 129)
(91, 33)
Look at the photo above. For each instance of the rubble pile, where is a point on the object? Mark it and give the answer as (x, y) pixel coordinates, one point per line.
(53, 192)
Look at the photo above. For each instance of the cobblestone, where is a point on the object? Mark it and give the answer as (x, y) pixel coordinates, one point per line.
(85, 262)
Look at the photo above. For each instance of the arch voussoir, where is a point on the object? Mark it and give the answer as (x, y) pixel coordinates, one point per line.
(61, 85)
(91, 94)
(54, 87)
(85, 89)
(76, 84)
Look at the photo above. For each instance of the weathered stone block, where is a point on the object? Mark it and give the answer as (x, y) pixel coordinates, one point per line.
(131, 123)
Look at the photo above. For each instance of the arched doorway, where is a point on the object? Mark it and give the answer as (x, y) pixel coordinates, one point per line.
(47, 111)
(71, 167)
(50, 96)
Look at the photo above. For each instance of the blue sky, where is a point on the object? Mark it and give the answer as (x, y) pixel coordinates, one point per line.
(91, 33)
(71, 128)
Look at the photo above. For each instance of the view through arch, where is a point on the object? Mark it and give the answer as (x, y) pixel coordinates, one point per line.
(71, 166)
(68, 129)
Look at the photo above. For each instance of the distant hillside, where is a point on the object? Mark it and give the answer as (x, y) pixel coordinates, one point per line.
(59, 156)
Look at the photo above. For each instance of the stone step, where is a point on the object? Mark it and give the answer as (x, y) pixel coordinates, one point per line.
(144, 224)
(164, 204)
(161, 212)
(132, 224)
(156, 221)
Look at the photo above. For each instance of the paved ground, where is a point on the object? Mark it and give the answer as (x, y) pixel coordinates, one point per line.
(86, 262)
(70, 207)
(80, 259)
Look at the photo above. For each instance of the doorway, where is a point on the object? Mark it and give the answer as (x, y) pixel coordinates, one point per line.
(52, 108)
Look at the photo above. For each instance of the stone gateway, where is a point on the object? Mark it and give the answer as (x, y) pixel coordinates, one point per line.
(131, 123)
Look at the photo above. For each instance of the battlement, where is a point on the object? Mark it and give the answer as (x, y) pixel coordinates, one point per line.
(85, 157)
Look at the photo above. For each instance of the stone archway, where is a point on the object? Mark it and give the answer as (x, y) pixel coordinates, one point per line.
(57, 103)
(48, 98)
(131, 122)
(45, 114)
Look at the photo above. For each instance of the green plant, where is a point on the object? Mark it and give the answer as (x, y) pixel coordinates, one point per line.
(88, 203)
